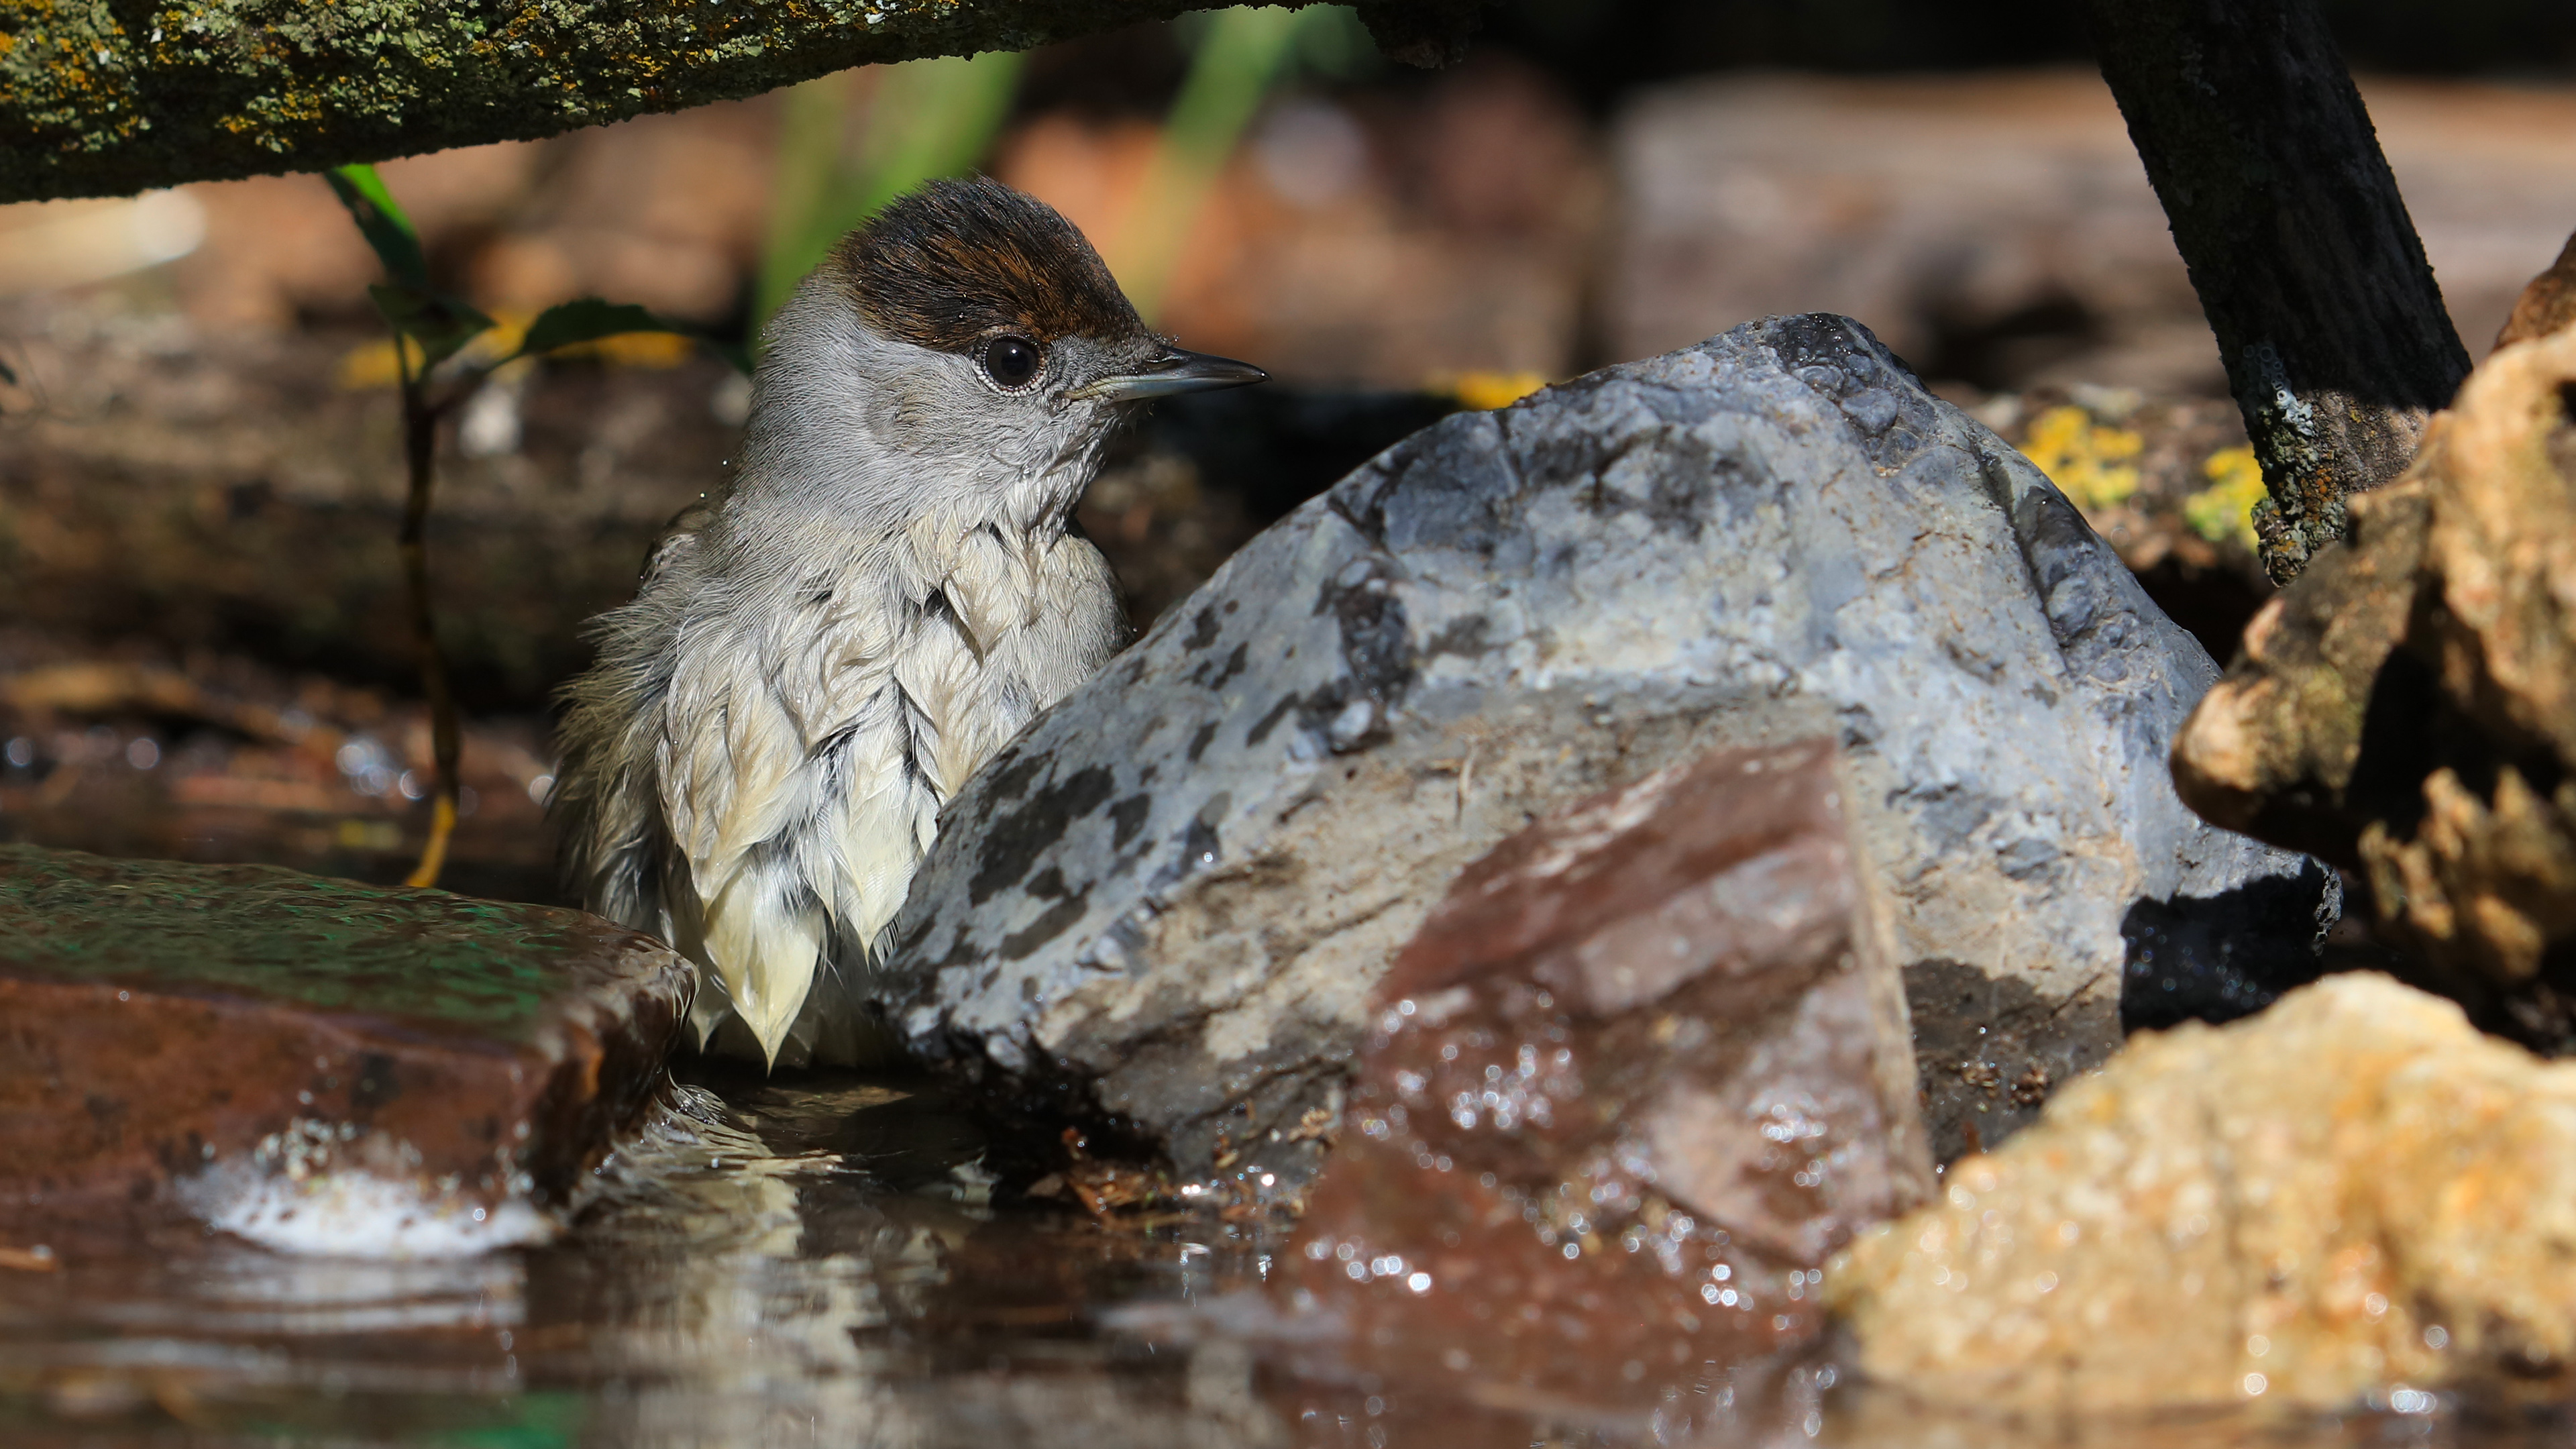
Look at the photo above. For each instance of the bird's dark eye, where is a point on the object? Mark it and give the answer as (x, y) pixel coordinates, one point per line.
(1010, 361)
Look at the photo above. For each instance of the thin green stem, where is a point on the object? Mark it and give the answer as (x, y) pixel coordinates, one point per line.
(421, 416)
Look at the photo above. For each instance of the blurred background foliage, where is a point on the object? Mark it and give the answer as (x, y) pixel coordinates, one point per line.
(849, 143)
(204, 643)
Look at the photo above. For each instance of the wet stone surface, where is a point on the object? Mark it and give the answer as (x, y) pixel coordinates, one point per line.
(310, 1061)
(1643, 1070)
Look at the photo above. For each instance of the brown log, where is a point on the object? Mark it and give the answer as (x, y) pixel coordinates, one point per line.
(100, 99)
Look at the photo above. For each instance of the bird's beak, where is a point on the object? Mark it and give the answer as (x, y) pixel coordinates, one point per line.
(1174, 371)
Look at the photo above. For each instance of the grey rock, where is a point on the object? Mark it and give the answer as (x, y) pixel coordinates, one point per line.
(1164, 906)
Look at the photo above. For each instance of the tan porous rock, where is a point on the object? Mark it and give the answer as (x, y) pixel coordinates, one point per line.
(2547, 304)
(2354, 1194)
(2407, 709)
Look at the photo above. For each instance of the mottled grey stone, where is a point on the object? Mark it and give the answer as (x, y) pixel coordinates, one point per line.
(1166, 903)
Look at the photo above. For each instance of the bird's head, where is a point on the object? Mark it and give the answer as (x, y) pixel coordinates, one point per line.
(966, 339)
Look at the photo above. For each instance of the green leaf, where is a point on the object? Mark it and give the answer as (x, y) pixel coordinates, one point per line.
(439, 323)
(381, 221)
(588, 319)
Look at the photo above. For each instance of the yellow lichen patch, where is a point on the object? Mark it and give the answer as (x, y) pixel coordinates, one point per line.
(509, 329)
(633, 349)
(2091, 464)
(1485, 391)
(371, 364)
(2225, 509)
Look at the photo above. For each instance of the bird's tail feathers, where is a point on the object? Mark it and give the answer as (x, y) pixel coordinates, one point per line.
(766, 938)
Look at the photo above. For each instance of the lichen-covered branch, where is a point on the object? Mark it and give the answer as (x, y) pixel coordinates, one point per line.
(105, 97)
(2336, 342)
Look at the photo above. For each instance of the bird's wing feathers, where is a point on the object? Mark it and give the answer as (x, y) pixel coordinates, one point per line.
(878, 820)
(802, 760)
(765, 934)
(984, 592)
(783, 765)
(729, 759)
(678, 543)
(990, 585)
(880, 807)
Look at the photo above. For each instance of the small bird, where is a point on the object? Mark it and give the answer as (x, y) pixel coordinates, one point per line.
(890, 587)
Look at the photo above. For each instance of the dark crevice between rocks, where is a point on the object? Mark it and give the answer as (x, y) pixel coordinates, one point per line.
(2400, 744)
(2216, 958)
(1046, 1119)
(1988, 1050)
(1260, 1124)
(2213, 605)
(2413, 726)
(2539, 1013)
(1023, 1115)
(2411, 729)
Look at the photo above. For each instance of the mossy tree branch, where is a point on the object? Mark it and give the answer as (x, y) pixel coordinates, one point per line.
(2336, 342)
(106, 97)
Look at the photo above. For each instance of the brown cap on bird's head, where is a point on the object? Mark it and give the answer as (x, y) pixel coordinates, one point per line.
(958, 261)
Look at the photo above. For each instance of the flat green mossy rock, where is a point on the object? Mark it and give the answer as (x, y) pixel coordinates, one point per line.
(276, 935)
(312, 1063)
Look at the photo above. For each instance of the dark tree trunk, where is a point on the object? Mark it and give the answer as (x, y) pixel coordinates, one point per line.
(2336, 342)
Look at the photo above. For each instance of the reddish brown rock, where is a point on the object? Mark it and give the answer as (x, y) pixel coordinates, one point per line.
(1640, 1073)
(310, 1062)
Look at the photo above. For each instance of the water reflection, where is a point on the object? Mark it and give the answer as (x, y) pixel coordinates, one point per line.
(819, 1265)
